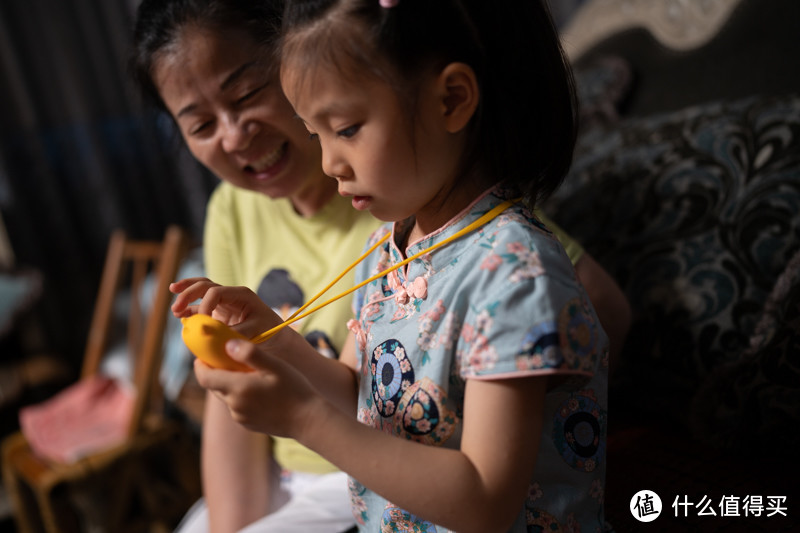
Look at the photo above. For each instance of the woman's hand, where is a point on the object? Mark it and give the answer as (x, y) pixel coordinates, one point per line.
(235, 306)
(275, 399)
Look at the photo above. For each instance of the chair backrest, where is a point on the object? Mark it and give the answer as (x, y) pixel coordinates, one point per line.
(129, 265)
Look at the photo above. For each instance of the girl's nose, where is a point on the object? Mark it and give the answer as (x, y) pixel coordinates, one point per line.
(332, 164)
(237, 134)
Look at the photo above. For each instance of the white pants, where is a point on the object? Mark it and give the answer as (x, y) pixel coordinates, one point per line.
(305, 503)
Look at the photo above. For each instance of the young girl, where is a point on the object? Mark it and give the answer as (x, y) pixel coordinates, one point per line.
(481, 402)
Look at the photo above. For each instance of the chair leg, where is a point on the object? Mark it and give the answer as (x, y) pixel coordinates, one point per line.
(43, 510)
(57, 513)
(97, 505)
(37, 509)
(24, 505)
(22, 498)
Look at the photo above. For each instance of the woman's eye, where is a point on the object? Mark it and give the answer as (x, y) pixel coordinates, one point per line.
(246, 97)
(313, 136)
(200, 128)
(251, 94)
(348, 132)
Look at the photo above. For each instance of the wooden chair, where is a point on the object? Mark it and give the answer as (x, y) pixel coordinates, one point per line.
(151, 479)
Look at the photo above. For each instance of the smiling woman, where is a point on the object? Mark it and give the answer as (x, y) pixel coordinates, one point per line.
(206, 63)
(231, 112)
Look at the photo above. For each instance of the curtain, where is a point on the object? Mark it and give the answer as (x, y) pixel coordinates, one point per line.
(80, 155)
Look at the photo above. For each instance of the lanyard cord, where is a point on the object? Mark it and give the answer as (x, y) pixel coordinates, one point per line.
(489, 215)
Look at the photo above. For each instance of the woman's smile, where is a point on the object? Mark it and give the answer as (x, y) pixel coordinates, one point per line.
(270, 164)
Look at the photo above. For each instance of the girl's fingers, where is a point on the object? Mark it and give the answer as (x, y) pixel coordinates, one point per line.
(212, 296)
(180, 285)
(190, 290)
(246, 352)
(232, 305)
(213, 379)
(188, 311)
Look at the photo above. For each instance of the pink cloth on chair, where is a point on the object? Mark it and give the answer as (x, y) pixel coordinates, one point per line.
(88, 416)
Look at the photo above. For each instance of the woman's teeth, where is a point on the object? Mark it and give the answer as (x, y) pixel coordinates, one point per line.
(269, 159)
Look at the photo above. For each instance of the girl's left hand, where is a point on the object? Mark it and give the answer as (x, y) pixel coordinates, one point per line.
(234, 306)
(275, 399)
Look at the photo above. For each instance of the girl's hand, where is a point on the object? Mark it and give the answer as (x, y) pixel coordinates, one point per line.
(235, 306)
(242, 309)
(275, 399)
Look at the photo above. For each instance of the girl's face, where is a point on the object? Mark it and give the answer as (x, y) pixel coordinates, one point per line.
(234, 116)
(390, 163)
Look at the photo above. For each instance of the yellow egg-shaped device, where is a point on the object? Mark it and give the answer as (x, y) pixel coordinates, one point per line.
(206, 337)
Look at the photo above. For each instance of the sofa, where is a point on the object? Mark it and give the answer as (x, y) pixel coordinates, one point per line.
(685, 187)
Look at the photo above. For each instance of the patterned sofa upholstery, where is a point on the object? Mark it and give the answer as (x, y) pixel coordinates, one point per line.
(694, 209)
(696, 213)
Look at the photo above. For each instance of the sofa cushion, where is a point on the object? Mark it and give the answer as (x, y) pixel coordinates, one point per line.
(601, 86)
(753, 403)
(695, 213)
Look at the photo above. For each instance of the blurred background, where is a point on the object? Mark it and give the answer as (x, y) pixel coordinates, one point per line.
(80, 156)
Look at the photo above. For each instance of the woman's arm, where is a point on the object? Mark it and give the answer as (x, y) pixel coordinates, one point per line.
(235, 467)
(480, 487)
(235, 462)
(609, 302)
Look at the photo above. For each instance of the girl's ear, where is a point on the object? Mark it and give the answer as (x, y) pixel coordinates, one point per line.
(458, 87)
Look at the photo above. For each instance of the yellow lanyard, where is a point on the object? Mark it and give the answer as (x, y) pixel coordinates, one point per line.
(489, 215)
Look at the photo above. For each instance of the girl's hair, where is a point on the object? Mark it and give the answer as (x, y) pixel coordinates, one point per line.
(160, 23)
(524, 130)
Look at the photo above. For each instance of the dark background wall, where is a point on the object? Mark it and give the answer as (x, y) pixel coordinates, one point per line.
(80, 156)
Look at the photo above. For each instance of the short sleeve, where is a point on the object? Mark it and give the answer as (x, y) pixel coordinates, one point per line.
(218, 239)
(536, 319)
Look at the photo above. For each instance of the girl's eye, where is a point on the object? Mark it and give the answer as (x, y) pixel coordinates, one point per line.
(348, 132)
(313, 136)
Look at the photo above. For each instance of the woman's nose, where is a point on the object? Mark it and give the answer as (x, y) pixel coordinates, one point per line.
(237, 134)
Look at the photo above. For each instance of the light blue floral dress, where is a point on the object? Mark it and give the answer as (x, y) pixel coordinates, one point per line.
(499, 303)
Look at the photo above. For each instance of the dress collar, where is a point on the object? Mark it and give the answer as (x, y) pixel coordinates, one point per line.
(441, 256)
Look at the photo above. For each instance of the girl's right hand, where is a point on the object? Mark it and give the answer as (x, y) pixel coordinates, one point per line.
(275, 398)
(237, 307)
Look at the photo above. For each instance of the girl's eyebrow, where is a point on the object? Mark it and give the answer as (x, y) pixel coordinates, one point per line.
(232, 78)
(325, 112)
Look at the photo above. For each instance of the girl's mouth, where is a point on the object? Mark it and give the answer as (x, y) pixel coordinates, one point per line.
(361, 202)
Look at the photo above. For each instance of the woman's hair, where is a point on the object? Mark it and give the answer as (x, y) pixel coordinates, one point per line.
(525, 124)
(160, 23)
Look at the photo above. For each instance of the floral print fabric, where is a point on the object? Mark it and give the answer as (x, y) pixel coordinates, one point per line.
(499, 303)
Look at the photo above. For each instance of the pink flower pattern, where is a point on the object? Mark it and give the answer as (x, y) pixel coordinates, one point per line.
(491, 262)
(469, 339)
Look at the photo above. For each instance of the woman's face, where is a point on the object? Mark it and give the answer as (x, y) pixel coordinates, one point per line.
(233, 115)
